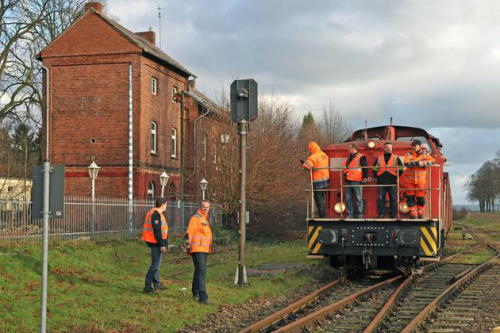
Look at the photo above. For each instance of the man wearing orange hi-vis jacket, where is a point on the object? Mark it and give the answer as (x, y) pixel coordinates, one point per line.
(198, 243)
(415, 177)
(318, 163)
(155, 234)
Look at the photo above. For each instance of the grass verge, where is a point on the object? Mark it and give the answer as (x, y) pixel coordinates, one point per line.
(97, 287)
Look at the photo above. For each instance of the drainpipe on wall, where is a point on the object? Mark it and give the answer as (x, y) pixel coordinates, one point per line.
(195, 134)
(130, 155)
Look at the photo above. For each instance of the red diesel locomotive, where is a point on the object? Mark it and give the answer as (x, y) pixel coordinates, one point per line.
(371, 241)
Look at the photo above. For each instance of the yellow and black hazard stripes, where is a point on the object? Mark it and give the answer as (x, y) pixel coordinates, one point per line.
(428, 240)
(314, 245)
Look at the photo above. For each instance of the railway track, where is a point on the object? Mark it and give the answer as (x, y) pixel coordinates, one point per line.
(368, 306)
(320, 304)
(462, 313)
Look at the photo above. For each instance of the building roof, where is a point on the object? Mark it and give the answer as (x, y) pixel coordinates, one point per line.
(204, 100)
(147, 48)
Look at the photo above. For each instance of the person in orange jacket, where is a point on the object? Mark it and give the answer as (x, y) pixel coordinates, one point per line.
(198, 243)
(415, 177)
(354, 174)
(318, 163)
(155, 234)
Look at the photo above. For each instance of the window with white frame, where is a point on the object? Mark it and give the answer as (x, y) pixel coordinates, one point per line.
(174, 92)
(154, 137)
(151, 192)
(174, 142)
(154, 86)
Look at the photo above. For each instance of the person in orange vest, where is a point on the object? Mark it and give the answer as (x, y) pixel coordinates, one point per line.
(415, 177)
(198, 243)
(354, 175)
(318, 163)
(386, 169)
(155, 234)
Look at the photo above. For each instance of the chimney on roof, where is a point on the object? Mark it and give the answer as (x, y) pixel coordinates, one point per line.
(149, 35)
(95, 5)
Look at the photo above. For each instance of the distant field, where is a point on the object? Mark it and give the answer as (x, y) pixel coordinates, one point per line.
(486, 224)
(98, 287)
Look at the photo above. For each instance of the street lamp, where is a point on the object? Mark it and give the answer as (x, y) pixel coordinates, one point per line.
(93, 171)
(204, 186)
(163, 181)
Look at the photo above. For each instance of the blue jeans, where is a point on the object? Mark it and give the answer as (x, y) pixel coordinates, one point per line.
(354, 199)
(153, 275)
(199, 286)
(382, 193)
(319, 196)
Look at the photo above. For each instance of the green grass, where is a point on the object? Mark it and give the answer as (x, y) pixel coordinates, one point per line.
(97, 287)
(477, 257)
(486, 224)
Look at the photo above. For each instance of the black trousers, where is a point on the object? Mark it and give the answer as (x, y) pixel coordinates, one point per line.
(199, 286)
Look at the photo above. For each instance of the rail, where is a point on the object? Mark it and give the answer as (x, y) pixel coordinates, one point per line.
(339, 205)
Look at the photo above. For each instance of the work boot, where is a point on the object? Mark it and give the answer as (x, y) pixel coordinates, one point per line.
(159, 286)
(204, 302)
(148, 290)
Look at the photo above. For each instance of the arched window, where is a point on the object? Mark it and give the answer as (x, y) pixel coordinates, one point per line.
(151, 192)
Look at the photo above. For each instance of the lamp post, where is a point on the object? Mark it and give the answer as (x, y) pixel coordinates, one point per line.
(93, 171)
(163, 181)
(204, 186)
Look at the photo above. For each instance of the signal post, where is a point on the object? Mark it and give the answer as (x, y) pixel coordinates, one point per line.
(243, 110)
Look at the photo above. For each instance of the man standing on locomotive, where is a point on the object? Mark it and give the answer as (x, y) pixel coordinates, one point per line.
(415, 178)
(318, 163)
(386, 169)
(354, 174)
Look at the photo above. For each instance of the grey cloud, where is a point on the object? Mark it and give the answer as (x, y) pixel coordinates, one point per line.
(430, 64)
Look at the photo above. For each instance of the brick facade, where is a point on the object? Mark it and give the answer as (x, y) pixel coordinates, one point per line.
(89, 98)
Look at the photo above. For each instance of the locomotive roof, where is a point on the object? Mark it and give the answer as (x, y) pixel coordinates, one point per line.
(400, 131)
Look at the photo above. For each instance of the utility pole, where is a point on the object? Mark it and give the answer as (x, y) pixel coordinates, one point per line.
(46, 212)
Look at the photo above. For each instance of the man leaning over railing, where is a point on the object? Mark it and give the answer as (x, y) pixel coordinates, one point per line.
(318, 163)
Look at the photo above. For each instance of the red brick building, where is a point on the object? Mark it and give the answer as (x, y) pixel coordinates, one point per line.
(89, 93)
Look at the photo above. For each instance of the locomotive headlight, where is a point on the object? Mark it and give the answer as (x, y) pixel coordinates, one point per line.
(403, 207)
(371, 144)
(339, 207)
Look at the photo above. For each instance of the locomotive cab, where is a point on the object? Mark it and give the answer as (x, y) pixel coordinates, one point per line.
(370, 240)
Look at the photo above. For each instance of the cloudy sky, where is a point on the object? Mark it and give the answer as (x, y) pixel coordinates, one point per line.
(426, 63)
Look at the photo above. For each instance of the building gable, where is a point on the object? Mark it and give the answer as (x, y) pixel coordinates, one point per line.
(90, 34)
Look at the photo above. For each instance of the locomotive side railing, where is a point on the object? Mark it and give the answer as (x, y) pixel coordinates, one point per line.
(399, 189)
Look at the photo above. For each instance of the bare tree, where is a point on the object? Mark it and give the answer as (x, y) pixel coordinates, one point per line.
(26, 27)
(484, 186)
(333, 126)
(274, 175)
